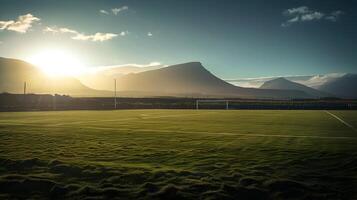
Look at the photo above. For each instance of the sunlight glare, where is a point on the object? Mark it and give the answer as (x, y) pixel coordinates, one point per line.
(55, 62)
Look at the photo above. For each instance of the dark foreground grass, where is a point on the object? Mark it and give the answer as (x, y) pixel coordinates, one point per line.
(178, 154)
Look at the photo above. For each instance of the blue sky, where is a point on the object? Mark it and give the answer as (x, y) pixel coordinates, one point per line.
(232, 38)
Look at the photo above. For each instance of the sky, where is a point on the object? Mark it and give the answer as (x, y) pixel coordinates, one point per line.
(232, 38)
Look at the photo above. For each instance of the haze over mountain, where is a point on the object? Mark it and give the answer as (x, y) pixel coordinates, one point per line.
(13, 74)
(284, 84)
(345, 86)
(192, 79)
(313, 81)
(102, 78)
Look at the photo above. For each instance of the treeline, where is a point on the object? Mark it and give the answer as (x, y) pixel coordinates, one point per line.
(34, 102)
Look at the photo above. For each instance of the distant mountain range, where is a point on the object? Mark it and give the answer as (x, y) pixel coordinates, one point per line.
(192, 80)
(284, 84)
(313, 81)
(182, 80)
(340, 85)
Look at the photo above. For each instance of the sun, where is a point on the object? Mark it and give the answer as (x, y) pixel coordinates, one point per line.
(57, 62)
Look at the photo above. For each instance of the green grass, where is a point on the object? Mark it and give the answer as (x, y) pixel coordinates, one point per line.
(168, 154)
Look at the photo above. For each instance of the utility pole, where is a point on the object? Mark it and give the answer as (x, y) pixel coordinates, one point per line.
(54, 100)
(54, 103)
(115, 93)
(25, 94)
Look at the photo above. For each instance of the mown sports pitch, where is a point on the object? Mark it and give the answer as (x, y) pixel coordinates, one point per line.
(178, 154)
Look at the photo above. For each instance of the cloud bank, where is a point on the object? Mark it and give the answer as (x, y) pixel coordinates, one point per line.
(81, 36)
(304, 14)
(21, 25)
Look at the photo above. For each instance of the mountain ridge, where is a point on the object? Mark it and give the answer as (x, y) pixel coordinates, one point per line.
(190, 79)
(193, 78)
(284, 84)
(344, 86)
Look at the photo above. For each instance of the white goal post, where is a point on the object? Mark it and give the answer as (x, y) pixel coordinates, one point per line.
(212, 101)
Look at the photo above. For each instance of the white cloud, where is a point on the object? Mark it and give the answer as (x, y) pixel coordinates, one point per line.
(334, 15)
(50, 30)
(312, 16)
(319, 80)
(116, 11)
(150, 34)
(81, 36)
(303, 14)
(66, 30)
(290, 21)
(96, 37)
(104, 12)
(22, 25)
(298, 10)
(5, 24)
(124, 33)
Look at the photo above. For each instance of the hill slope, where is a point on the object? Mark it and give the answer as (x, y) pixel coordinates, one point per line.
(345, 86)
(102, 78)
(13, 74)
(284, 84)
(192, 79)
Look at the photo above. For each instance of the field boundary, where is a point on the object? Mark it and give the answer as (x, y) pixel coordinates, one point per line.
(228, 133)
(341, 120)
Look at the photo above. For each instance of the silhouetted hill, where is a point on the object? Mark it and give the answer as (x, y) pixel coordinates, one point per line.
(284, 84)
(192, 79)
(102, 78)
(13, 74)
(345, 86)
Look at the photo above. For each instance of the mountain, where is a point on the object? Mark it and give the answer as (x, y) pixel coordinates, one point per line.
(313, 81)
(345, 86)
(13, 74)
(128, 69)
(192, 79)
(184, 80)
(284, 84)
(102, 78)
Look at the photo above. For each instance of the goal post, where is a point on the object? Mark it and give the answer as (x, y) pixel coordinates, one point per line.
(212, 101)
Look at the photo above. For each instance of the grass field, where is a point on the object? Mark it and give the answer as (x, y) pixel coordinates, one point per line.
(178, 154)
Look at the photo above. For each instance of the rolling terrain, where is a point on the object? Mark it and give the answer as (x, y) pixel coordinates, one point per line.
(178, 154)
